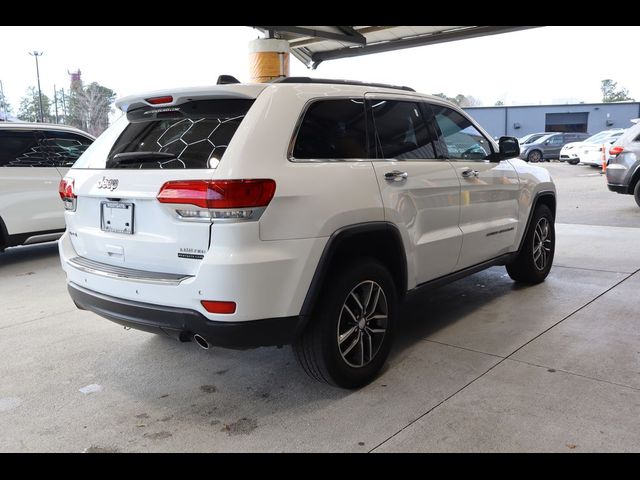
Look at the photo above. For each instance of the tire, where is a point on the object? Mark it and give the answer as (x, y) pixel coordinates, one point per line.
(534, 261)
(320, 351)
(573, 162)
(636, 192)
(534, 156)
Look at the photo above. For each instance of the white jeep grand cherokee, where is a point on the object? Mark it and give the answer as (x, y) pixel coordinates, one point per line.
(295, 212)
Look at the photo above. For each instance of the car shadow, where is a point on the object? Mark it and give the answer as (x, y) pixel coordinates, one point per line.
(195, 384)
(423, 315)
(25, 253)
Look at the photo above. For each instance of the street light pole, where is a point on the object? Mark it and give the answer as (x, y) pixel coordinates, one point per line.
(38, 54)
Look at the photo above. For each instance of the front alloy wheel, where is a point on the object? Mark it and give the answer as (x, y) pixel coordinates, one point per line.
(541, 244)
(534, 157)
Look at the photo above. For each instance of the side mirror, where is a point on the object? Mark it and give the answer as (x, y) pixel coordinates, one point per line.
(509, 147)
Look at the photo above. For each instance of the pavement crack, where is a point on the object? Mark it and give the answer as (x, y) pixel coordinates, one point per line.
(503, 359)
(556, 369)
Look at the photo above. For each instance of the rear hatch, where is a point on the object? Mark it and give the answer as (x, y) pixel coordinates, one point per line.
(118, 219)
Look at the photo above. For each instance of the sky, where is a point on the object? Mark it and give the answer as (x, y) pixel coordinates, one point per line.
(537, 66)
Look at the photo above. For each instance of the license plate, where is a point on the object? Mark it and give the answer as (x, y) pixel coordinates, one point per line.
(116, 217)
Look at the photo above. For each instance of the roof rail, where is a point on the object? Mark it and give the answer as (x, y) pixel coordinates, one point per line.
(339, 82)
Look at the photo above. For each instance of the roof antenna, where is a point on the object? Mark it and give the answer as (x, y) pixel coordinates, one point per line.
(226, 79)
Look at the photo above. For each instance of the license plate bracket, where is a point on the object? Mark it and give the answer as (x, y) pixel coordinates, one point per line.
(116, 217)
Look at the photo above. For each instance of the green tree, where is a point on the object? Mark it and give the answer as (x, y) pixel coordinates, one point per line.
(29, 109)
(89, 107)
(5, 107)
(499, 103)
(611, 92)
(461, 100)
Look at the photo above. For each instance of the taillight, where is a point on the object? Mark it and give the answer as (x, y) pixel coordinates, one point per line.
(160, 100)
(616, 150)
(218, 199)
(65, 189)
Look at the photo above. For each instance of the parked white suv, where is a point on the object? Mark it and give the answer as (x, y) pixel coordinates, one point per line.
(295, 212)
(33, 159)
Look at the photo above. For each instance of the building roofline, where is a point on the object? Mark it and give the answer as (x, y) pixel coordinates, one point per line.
(554, 105)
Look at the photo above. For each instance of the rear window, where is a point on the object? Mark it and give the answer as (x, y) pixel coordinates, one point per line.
(193, 135)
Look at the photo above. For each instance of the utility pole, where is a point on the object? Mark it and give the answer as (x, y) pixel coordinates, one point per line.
(55, 100)
(4, 102)
(37, 54)
(64, 107)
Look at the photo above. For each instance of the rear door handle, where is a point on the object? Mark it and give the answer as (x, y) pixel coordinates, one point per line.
(469, 172)
(395, 176)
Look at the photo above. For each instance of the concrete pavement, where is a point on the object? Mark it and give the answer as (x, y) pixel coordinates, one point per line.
(479, 365)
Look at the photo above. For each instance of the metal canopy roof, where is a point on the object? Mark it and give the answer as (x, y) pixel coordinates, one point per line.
(314, 45)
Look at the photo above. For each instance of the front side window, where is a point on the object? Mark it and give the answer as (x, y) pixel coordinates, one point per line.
(332, 130)
(64, 148)
(401, 131)
(462, 140)
(22, 149)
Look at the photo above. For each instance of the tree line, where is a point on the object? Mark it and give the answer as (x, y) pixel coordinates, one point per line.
(86, 107)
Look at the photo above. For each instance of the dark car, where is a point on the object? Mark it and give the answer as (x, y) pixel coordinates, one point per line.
(623, 168)
(548, 147)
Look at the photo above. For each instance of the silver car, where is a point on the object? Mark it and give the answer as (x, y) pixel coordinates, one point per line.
(623, 168)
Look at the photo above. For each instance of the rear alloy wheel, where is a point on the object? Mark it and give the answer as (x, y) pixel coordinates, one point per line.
(349, 337)
(533, 263)
(636, 193)
(534, 156)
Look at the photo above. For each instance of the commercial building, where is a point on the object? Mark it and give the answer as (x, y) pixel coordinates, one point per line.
(517, 121)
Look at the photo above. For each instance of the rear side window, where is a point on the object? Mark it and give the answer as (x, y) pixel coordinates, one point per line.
(64, 148)
(401, 131)
(332, 130)
(22, 149)
(193, 135)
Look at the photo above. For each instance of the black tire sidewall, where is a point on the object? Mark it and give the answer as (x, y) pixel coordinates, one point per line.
(636, 192)
(340, 286)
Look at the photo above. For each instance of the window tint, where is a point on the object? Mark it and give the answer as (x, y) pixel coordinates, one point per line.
(332, 129)
(637, 139)
(401, 131)
(461, 139)
(193, 135)
(64, 148)
(22, 149)
(555, 140)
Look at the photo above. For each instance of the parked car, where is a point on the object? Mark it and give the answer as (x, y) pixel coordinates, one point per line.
(548, 147)
(572, 152)
(33, 159)
(532, 137)
(295, 212)
(623, 168)
(592, 153)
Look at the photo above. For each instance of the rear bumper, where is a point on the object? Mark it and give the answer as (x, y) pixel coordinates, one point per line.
(618, 188)
(182, 323)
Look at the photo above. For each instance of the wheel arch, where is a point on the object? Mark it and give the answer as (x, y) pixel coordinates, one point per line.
(380, 240)
(4, 235)
(546, 197)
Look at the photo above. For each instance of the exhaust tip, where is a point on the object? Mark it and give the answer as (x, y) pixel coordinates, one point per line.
(201, 341)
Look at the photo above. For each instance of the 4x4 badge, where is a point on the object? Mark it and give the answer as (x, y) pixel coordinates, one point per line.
(108, 183)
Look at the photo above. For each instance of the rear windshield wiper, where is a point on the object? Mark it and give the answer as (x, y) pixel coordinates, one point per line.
(129, 158)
